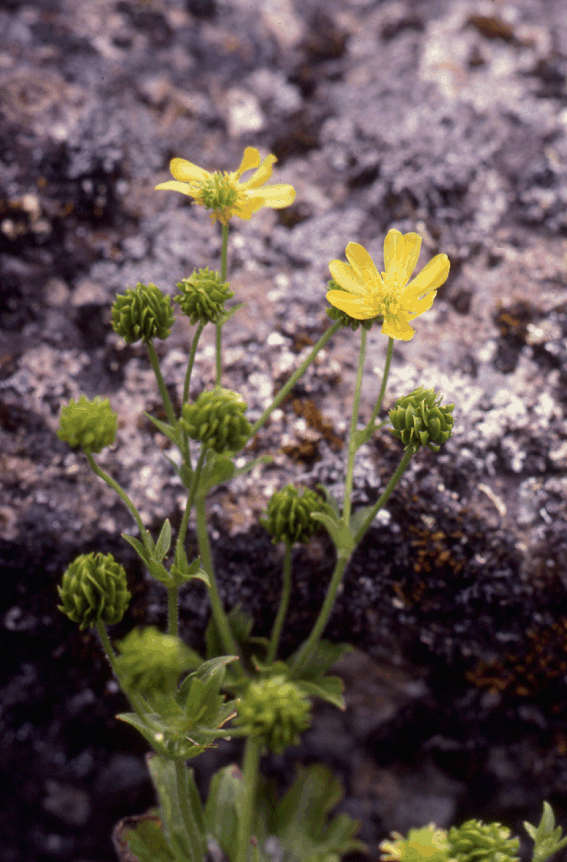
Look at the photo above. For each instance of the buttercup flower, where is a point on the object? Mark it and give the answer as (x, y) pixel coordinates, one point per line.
(365, 293)
(224, 193)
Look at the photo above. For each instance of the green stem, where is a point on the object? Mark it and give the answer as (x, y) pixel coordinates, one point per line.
(384, 498)
(310, 645)
(161, 383)
(224, 269)
(378, 406)
(352, 446)
(190, 498)
(173, 592)
(136, 700)
(248, 799)
(219, 615)
(282, 610)
(125, 499)
(192, 353)
(172, 610)
(107, 646)
(295, 376)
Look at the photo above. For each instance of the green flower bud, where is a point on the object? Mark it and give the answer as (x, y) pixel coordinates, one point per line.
(142, 313)
(475, 841)
(94, 588)
(89, 424)
(289, 515)
(427, 843)
(346, 319)
(203, 295)
(420, 420)
(217, 418)
(275, 711)
(151, 662)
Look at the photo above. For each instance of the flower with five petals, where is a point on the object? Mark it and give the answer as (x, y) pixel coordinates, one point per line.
(367, 294)
(225, 193)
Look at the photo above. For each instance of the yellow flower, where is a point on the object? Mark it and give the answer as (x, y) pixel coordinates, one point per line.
(224, 193)
(367, 294)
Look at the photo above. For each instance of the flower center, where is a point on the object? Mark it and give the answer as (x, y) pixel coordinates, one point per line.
(219, 192)
(388, 295)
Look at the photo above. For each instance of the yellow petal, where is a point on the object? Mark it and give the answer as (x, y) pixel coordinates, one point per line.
(356, 306)
(401, 252)
(396, 327)
(187, 172)
(245, 209)
(174, 186)
(362, 264)
(432, 276)
(250, 159)
(277, 196)
(262, 175)
(346, 277)
(418, 306)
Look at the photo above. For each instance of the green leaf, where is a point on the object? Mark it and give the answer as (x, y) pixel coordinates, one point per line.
(180, 808)
(169, 431)
(325, 656)
(138, 547)
(329, 688)
(330, 500)
(228, 312)
(143, 837)
(223, 804)
(337, 530)
(163, 543)
(218, 468)
(263, 459)
(358, 518)
(159, 572)
(300, 819)
(547, 838)
(183, 571)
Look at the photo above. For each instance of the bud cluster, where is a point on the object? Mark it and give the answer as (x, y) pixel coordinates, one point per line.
(289, 515)
(274, 711)
(94, 588)
(142, 313)
(419, 419)
(202, 296)
(89, 424)
(475, 841)
(217, 418)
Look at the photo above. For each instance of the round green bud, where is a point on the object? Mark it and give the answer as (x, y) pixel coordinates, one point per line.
(89, 424)
(203, 295)
(428, 843)
(275, 711)
(94, 588)
(475, 841)
(217, 418)
(419, 419)
(151, 662)
(289, 515)
(142, 313)
(218, 192)
(346, 319)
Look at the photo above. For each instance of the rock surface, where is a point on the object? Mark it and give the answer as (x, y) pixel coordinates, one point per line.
(448, 118)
